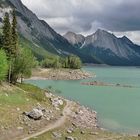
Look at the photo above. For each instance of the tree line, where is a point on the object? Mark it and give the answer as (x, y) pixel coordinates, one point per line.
(71, 62)
(15, 62)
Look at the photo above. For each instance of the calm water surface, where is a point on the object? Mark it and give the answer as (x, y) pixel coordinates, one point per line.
(118, 107)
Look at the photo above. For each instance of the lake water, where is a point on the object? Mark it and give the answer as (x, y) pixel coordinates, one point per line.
(118, 107)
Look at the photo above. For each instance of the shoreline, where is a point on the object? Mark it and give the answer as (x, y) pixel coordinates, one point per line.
(60, 74)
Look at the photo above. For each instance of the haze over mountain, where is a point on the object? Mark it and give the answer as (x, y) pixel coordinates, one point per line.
(100, 47)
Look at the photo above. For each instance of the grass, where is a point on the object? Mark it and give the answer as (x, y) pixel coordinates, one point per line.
(34, 92)
(22, 96)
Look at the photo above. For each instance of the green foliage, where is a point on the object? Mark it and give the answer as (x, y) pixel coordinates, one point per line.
(10, 41)
(3, 65)
(14, 35)
(72, 62)
(52, 62)
(7, 35)
(23, 64)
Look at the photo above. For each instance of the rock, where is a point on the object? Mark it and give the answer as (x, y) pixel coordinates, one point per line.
(34, 114)
(57, 108)
(69, 131)
(57, 102)
(82, 132)
(18, 109)
(57, 135)
(74, 124)
(20, 128)
(93, 133)
(30, 132)
(138, 135)
(69, 138)
(48, 119)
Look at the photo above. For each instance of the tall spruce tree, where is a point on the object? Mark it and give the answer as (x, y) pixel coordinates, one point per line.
(14, 35)
(10, 41)
(7, 35)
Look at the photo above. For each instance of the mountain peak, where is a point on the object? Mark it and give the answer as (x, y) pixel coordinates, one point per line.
(127, 40)
(74, 38)
(100, 31)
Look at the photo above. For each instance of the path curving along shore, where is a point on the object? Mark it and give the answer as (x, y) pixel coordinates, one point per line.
(66, 112)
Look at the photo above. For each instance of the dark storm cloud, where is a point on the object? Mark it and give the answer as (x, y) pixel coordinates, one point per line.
(87, 15)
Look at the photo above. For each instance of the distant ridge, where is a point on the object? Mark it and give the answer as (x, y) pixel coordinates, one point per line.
(107, 48)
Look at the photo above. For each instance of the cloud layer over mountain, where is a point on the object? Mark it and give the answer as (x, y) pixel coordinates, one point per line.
(85, 16)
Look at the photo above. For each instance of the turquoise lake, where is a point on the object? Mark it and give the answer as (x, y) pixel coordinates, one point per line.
(118, 108)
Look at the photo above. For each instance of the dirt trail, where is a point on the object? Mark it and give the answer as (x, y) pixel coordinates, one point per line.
(57, 123)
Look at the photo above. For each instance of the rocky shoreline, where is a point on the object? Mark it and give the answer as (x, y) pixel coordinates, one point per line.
(79, 115)
(60, 74)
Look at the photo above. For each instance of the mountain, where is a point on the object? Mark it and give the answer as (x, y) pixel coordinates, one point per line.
(100, 47)
(109, 49)
(35, 32)
(75, 39)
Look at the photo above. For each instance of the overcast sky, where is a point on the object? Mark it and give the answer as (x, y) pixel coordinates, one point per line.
(122, 17)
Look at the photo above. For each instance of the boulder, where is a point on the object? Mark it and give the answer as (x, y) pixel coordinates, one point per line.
(57, 102)
(69, 138)
(57, 135)
(35, 114)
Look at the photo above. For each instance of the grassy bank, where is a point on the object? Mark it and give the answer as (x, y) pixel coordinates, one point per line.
(14, 100)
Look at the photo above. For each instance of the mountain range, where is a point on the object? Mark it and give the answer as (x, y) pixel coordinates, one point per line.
(100, 47)
(106, 47)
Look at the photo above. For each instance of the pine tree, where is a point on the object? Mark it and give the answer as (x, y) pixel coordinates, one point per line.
(7, 35)
(10, 41)
(14, 35)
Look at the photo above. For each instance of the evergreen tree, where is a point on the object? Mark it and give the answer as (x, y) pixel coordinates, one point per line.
(14, 34)
(7, 35)
(10, 41)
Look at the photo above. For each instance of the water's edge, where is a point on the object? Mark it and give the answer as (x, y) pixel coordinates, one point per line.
(117, 107)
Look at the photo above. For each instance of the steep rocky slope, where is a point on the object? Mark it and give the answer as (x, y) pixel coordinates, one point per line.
(108, 49)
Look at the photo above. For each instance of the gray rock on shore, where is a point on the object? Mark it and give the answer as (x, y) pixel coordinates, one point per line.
(35, 114)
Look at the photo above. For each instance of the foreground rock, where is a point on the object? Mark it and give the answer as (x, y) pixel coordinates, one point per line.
(35, 114)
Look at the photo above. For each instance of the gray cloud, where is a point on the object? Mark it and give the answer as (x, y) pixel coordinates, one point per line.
(85, 16)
